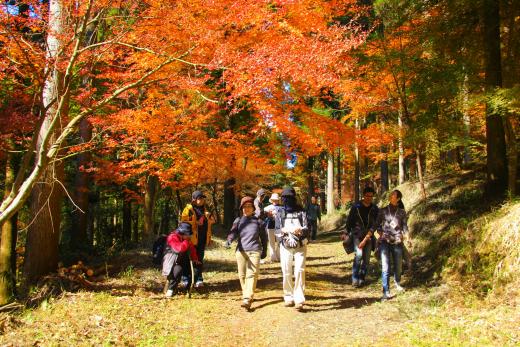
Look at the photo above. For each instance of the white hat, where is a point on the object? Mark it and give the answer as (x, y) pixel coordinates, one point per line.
(274, 196)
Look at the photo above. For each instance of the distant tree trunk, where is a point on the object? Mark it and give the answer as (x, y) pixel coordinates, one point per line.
(310, 179)
(229, 202)
(127, 221)
(135, 224)
(384, 171)
(402, 167)
(420, 172)
(8, 241)
(357, 169)
(338, 174)
(512, 155)
(330, 184)
(215, 202)
(82, 180)
(495, 136)
(466, 120)
(41, 250)
(150, 196)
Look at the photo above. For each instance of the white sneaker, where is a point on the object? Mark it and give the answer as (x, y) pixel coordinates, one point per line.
(199, 284)
(169, 293)
(399, 288)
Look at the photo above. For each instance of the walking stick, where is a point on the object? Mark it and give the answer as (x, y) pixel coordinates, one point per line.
(192, 279)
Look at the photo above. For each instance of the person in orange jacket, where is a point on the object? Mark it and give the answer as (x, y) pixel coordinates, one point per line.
(201, 221)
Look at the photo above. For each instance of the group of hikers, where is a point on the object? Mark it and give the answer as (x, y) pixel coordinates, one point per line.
(284, 228)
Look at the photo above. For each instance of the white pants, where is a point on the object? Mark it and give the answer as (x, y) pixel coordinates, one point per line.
(274, 249)
(288, 257)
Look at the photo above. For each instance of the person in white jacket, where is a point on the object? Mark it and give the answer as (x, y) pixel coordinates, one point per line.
(291, 230)
(271, 212)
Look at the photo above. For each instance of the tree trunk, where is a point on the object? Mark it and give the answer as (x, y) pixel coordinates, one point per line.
(384, 171)
(466, 119)
(420, 172)
(229, 202)
(82, 180)
(127, 221)
(41, 250)
(135, 224)
(495, 137)
(357, 166)
(338, 175)
(330, 184)
(150, 196)
(310, 179)
(8, 242)
(402, 168)
(215, 202)
(512, 155)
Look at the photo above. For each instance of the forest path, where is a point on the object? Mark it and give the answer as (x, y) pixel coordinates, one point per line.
(130, 309)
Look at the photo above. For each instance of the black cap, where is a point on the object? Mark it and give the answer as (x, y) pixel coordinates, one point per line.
(197, 195)
(288, 192)
(184, 229)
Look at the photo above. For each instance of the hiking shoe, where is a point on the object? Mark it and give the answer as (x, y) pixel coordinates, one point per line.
(199, 284)
(246, 303)
(289, 303)
(299, 307)
(355, 283)
(361, 283)
(386, 296)
(169, 293)
(399, 288)
(184, 285)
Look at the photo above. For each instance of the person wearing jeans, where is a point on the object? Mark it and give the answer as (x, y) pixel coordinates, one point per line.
(249, 231)
(361, 224)
(393, 229)
(313, 216)
(291, 229)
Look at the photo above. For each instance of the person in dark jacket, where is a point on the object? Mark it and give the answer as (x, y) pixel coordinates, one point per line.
(361, 225)
(313, 216)
(292, 231)
(392, 227)
(251, 236)
(178, 252)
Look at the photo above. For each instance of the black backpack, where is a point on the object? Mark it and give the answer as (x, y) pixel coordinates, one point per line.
(158, 249)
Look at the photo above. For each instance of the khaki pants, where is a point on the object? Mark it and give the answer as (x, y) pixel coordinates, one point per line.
(274, 249)
(290, 257)
(248, 265)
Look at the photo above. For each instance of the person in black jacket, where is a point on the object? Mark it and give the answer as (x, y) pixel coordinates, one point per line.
(250, 233)
(361, 224)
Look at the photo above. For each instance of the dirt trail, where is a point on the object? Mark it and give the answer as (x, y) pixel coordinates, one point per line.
(129, 309)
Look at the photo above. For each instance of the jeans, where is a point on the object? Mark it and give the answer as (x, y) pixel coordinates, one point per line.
(313, 228)
(396, 253)
(361, 260)
(289, 257)
(248, 265)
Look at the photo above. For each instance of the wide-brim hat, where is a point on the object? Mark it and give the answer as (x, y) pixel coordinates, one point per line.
(274, 197)
(245, 200)
(185, 229)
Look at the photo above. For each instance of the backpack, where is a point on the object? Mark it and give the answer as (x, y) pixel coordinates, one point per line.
(291, 240)
(158, 249)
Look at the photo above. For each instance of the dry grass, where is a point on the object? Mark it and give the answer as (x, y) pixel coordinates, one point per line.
(128, 309)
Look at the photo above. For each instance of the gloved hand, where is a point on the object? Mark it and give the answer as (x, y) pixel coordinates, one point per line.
(291, 241)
